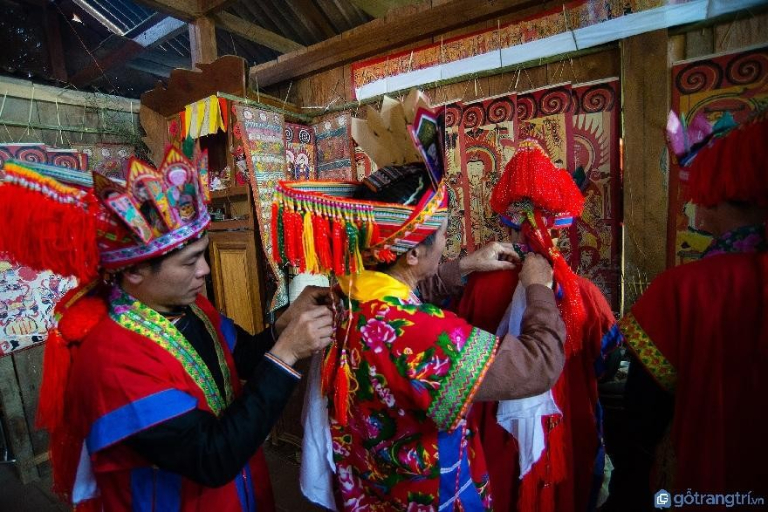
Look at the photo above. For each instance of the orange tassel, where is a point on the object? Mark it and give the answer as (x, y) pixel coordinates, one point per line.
(329, 368)
(341, 393)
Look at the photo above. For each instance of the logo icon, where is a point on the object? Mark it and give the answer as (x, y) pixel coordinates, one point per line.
(662, 499)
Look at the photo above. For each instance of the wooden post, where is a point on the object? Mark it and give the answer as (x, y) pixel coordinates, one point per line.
(202, 41)
(646, 96)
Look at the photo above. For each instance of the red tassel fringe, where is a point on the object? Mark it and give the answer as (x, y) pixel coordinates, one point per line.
(47, 235)
(275, 245)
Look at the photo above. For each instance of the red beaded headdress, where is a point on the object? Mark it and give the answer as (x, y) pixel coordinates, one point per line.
(725, 162)
(533, 195)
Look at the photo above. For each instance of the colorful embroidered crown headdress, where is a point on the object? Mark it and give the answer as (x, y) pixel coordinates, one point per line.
(75, 225)
(721, 162)
(319, 227)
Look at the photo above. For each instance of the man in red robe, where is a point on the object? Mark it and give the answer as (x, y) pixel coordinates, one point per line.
(696, 391)
(557, 437)
(142, 391)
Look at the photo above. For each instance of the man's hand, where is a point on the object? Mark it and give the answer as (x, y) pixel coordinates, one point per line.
(309, 331)
(309, 296)
(492, 256)
(536, 270)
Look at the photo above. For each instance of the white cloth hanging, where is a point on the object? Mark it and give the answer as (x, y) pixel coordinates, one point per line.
(522, 418)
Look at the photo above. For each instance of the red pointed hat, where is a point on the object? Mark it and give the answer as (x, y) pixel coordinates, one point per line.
(532, 183)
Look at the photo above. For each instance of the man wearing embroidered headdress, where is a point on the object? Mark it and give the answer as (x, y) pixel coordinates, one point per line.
(695, 395)
(142, 391)
(544, 451)
(401, 374)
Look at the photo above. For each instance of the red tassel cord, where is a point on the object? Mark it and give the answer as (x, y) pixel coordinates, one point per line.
(337, 241)
(290, 235)
(276, 228)
(323, 243)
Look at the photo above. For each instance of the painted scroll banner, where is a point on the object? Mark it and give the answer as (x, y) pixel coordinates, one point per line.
(300, 152)
(334, 148)
(735, 83)
(261, 136)
(594, 238)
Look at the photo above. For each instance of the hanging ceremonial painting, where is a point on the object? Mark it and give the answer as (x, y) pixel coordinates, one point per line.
(40, 153)
(736, 83)
(300, 152)
(594, 238)
(110, 160)
(485, 141)
(455, 239)
(334, 148)
(27, 299)
(259, 135)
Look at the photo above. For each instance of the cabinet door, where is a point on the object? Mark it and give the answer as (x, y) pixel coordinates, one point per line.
(236, 278)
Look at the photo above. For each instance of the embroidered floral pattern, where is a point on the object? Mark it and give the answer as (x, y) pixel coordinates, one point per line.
(741, 240)
(650, 356)
(414, 369)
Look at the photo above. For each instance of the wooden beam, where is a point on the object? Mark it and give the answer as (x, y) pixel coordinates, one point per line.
(55, 48)
(308, 14)
(125, 50)
(380, 8)
(646, 99)
(214, 6)
(186, 10)
(255, 33)
(384, 34)
(202, 41)
(122, 49)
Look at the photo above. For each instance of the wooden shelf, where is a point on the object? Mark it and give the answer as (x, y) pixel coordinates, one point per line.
(236, 191)
(230, 225)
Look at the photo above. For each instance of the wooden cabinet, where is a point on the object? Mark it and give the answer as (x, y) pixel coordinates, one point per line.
(236, 276)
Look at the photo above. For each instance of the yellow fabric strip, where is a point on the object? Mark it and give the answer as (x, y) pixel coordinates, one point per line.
(188, 120)
(370, 285)
(651, 357)
(199, 120)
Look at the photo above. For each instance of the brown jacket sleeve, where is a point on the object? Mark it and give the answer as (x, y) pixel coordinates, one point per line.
(531, 364)
(446, 284)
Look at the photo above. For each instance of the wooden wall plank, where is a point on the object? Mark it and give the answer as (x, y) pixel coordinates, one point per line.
(699, 42)
(16, 421)
(741, 33)
(29, 371)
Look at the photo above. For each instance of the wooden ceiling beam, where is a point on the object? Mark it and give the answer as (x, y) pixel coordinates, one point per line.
(124, 49)
(186, 10)
(255, 33)
(380, 8)
(394, 31)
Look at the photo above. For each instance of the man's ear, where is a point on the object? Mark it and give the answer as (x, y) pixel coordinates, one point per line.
(412, 256)
(135, 275)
